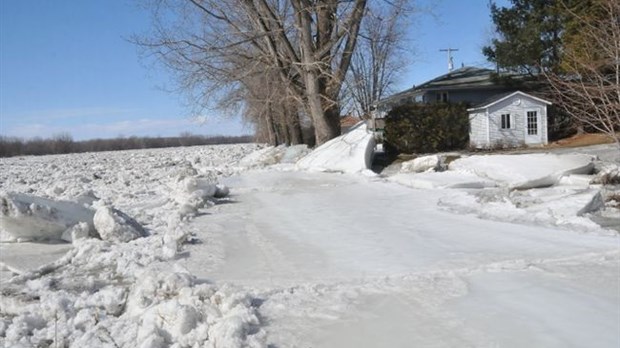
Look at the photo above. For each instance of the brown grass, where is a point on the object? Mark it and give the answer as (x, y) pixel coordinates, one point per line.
(582, 140)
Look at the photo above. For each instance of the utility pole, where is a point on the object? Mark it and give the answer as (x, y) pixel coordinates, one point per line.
(450, 61)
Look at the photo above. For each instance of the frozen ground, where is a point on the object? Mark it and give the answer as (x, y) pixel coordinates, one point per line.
(298, 258)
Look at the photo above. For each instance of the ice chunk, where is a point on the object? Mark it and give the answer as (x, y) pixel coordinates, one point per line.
(350, 153)
(191, 193)
(200, 186)
(293, 153)
(87, 198)
(608, 174)
(422, 164)
(77, 231)
(263, 157)
(221, 191)
(115, 226)
(525, 171)
(553, 206)
(450, 179)
(26, 217)
(169, 319)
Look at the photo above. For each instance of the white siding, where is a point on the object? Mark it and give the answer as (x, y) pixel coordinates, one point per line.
(515, 136)
(506, 137)
(478, 129)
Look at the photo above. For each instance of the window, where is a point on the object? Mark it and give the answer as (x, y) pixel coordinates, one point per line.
(506, 121)
(532, 123)
(442, 97)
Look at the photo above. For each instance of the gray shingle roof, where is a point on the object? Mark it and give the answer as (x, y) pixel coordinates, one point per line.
(491, 100)
(463, 78)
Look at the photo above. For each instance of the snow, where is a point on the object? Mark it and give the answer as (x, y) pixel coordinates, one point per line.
(448, 179)
(609, 173)
(561, 207)
(500, 187)
(525, 171)
(349, 153)
(228, 246)
(26, 217)
(274, 155)
(115, 226)
(80, 296)
(19, 258)
(423, 164)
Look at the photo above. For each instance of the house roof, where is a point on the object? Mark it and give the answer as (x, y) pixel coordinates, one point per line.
(349, 121)
(503, 96)
(464, 78)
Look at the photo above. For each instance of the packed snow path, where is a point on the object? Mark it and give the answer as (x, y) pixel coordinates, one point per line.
(350, 261)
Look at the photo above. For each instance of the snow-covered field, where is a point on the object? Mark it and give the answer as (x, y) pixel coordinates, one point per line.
(252, 246)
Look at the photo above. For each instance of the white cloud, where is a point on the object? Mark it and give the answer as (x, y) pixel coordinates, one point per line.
(200, 119)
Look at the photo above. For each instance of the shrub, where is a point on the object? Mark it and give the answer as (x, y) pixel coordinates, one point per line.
(560, 124)
(423, 128)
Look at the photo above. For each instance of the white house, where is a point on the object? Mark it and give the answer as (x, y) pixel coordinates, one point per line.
(509, 120)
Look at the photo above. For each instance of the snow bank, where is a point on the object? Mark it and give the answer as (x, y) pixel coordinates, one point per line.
(350, 153)
(263, 157)
(26, 217)
(272, 155)
(294, 153)
(525, 171)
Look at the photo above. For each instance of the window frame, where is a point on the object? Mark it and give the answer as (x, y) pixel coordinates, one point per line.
(442, 97)
(531, 122)
(506, 121)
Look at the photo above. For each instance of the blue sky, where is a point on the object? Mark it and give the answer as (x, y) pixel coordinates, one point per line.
(462, 24)
(66, 66)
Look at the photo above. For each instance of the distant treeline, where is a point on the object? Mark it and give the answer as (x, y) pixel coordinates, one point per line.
(64, 143)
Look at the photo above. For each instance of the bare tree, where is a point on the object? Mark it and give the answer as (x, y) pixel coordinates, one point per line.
(588, 86)
(270, 107)
(379, 56)
(213, 45)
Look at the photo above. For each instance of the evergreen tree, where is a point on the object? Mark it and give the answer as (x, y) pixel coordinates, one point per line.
(529, 36)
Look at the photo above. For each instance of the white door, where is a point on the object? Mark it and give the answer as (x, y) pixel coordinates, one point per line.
(533, 133)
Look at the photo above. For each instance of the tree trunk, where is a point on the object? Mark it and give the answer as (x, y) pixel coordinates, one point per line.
(271, 131)
(294, 125)
(297, 136)
(326, 120)
(326, 124)
(332, 114)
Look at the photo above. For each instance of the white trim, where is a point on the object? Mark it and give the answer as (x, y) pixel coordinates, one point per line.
(546, 125)
(539, 125)
(507, 97)
(511, 124)
(486, 113)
